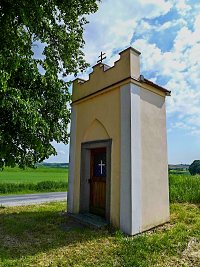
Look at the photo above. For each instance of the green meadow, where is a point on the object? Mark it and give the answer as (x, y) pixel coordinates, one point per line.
(16, 175)
(41, 179)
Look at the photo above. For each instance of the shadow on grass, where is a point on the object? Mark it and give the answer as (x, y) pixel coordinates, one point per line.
(26, 233)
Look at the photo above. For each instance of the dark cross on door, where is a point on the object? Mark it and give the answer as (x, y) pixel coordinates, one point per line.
(101, 57)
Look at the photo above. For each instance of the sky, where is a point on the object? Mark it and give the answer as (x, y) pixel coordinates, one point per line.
(167, 33)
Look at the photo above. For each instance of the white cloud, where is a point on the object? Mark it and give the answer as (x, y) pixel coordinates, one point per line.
(190, 130)
(155, 7)
(181, 6)
(115, 22)
(170, 24)
(181, 66)
(62, 153)
(112, 28)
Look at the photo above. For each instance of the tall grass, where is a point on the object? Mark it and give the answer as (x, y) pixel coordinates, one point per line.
(184, 188)
(44, 186)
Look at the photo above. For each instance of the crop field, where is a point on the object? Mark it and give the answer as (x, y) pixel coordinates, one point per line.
(184, 188)
(16, 175)
(41, 179)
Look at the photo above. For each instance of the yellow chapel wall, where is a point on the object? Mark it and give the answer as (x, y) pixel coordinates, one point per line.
(91, 113)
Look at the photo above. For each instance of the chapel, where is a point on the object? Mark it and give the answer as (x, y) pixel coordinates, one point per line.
(118, 147)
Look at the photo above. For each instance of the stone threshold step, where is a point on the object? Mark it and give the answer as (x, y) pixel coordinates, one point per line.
(90, 220)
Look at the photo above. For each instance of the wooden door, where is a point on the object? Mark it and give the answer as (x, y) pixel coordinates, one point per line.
(98, 181)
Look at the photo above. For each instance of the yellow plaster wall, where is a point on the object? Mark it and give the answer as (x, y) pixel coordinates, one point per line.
(96, 131)
(154, 160)
(91, 115)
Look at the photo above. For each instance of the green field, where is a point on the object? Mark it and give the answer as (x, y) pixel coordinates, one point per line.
(41, 179)
(183, 186)
(16, 175)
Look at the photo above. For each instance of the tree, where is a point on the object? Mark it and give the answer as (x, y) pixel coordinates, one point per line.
(33, 95)
(194, 168)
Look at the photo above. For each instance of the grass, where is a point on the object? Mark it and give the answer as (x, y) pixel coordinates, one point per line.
(40, 174)
(34, 236)
(174, 244)
(39, 236)
(183, 172)
(184, 188)
(22, 188)
(41, 179)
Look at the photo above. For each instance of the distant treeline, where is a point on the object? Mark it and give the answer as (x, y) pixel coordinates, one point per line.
(180, 167)
(53, 165)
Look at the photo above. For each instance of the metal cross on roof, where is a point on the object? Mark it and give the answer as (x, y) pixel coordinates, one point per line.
(101, 57)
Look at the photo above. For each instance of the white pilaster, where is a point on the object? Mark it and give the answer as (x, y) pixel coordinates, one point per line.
(125, 179)
(71, 177)
(136, 176)
(130, 185)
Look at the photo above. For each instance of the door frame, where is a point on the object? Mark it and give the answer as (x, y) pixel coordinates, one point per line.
(85, 175)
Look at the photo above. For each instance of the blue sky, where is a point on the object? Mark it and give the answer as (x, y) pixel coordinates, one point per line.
(167, 33)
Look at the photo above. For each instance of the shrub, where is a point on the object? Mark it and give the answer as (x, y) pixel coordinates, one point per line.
(46, 186)
(195, 167)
